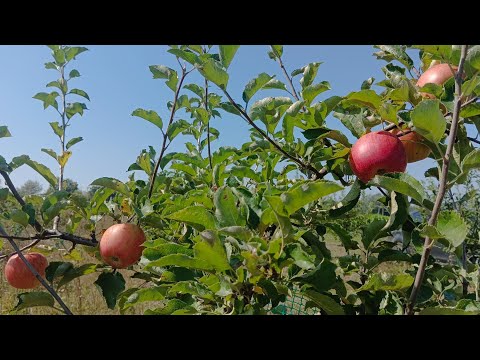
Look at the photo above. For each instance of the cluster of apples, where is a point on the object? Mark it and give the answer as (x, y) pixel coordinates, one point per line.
(380, 152)
(120, 247)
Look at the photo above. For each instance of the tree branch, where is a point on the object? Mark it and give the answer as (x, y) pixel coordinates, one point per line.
(44, 234)
(443, 184)
(319, 174)
(35, 272)
(165, 134)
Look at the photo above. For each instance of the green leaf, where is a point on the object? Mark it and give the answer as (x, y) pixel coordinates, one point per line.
(74, 273)
(75, 108)
(310, 92)
(4, 132)
(63, 159)
(387, 282)
(74, 74)
(399, 53)
(156, 293)
(372, 232)
(111, 285)
(72, 52)
(440, 51)
(367, 98)
(226, 211)
(196, 216)
(213, 72)
(275, 84)
(473, 57)
(113, 184)
(73, 142)
(431, 232)
(344, 236)
(399, 210)
(322, 278)
(180, 260)
(48, 99)
(192, 288)
(446, 311)
(324, 302)
(429, 120)
(305, 193)
(80, 93)
(255, 85)
(471, 161)
(39, 168)
(309, 74)
(188, 56)
(348, 202)
(353, 122)
(388, 112)
(57, 129)
(4, 194)
(401, 183)
(244, 172)
(50, 152)
(163, 72)
(172, 307)
(302, 259)
(452, 227)
(227, 52)
(32, 299)
(277, 50)
(470, 110)
(149, 115)
(211, 251)
(19, 217)
(176, 128)
(156, 252)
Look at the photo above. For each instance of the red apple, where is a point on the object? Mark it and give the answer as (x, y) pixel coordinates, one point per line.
(414, 147)
(375, 153)
(121, 245)
(436, 74)
(19, 276)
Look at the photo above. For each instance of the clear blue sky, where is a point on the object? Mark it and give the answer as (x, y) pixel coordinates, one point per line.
(118, 81)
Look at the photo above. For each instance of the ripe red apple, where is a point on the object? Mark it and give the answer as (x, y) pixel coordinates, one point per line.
(436, 74)
(121, 245)
(414, 147)
(375, 153)
(19, 276)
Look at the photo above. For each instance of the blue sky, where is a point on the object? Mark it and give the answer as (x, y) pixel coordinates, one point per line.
(118, 81)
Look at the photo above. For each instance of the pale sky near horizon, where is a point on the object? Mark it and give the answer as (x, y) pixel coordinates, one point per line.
(118, 81)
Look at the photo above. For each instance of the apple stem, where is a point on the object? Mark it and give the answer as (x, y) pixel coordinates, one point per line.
(427, 247)
(35, 272)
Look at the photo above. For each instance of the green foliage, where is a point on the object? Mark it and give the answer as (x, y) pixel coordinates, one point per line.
(240, 230)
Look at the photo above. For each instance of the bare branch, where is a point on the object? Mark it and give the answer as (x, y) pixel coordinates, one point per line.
(29, 246)
(443, 183)
(35, 272)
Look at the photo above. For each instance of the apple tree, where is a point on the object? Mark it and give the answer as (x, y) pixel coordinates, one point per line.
(239, 230)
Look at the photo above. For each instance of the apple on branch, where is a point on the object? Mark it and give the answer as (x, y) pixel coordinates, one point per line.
(19, 275)
(375, 153)
(121, 245)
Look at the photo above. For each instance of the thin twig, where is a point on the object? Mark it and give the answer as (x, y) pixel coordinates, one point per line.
(443, 184)
(319, 174)
(29, 246)
(165, 135)
(35, 272)
(473, 140)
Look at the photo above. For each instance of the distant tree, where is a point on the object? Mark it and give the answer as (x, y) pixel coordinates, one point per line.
(30, 187)
(69, 185)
